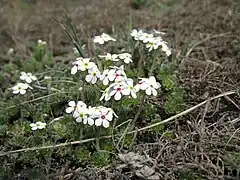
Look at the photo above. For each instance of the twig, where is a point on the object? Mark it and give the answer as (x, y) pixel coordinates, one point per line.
(202, 41)
(131, 132)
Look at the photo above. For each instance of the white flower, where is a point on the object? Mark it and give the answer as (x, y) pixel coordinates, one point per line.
(20, 88)
(153, 44)
(75, 51)
(110, 57)
(141, 85)
(118, 90)
(103, 38)
(27, 77)
(158, 32)
(89, 118)
(106, 37)
(41, 43)
(166, 49)
(93, 75)
(104, 77)
(152, 86)
(82, 64)
(126, 57)
(145, 37)
(86, 64)
(132, 90)
(73, 106)
(105, 95)
(104, 118)
(136, 34)
(10, 51)
(98, 39)
(117, 73)
(47, 78)
(38, 125)
(80, 113)
(76, 65)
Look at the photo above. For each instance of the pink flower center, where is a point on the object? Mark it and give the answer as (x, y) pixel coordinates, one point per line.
(119, 89)
(116, 75)
(103, 117)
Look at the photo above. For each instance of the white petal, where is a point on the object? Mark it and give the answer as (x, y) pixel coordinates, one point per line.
(112, 92)
(148, 91)
(23, 91)
(69, 110)
(98, 122)
(133, 94)
(72, 103)
(117, 96)
(105, 81)
(94, 80)
(105, 123)
(16, 92)
(144, 86)
(34, 128)
(34, 78)
(85, 120)
(79, 119)
(88, 78)
(126, 92)
(154, 92)
(74, 70)
(90, 121)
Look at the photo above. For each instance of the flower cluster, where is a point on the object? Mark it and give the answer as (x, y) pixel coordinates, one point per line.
(99, 116)
(152, 42)
(103, 38)
(37, 125)
(126, 57)
(21, 88)
(148, 85)
(41, 43)
(27, 77)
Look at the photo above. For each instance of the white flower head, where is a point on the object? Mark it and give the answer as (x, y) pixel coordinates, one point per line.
(82, 64)
(117, 73)
(136, 34)
(110, 57)
(103, 38)
(141, 85)
(158, 32)
(20, 88)
(106, 76)
(104, 117)
(89, 116)
(126, 57)
(27, 77)
(105, 94)
(41, 43)
(37, 125)
(145, 37)
(152, 86)
(118, 90)
(73, 106)
(153, 44)
(86, 64)
(80, 113)
(93, 75)
(132, 91)
(76, 65)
